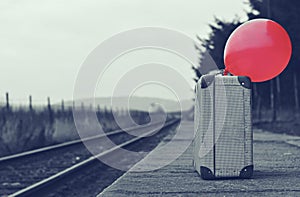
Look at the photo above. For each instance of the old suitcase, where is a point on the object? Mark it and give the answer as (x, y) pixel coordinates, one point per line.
(223, 142)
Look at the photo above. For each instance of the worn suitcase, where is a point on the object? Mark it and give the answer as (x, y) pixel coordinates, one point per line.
(223, 141)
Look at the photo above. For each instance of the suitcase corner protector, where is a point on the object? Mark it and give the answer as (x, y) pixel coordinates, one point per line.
(247, 172)
(206, 173)
(245, 82)
(206, 80)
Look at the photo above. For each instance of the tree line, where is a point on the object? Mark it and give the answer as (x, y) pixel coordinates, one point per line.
(279, 94)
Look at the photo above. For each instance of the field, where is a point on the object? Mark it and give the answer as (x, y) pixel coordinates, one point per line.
(26, 129)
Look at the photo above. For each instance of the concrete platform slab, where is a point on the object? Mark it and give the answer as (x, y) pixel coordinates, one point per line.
(277, 172)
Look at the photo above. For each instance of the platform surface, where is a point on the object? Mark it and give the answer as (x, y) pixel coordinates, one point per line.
(277, 172)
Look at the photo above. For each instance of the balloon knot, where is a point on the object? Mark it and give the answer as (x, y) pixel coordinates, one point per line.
(225, 72)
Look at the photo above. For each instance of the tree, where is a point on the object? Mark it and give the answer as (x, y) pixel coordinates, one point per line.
(285, 13)
(213, 46)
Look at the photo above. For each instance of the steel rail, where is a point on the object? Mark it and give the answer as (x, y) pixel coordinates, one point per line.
(47, 181)
(73, 142)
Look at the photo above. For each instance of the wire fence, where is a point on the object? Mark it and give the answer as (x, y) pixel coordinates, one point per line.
(26, 127)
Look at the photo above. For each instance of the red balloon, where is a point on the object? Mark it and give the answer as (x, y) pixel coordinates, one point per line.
(259, 49)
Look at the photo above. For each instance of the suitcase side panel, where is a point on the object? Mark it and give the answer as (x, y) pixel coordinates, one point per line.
(196, 140)
(233, 143)
(248, 128)
(203, 141)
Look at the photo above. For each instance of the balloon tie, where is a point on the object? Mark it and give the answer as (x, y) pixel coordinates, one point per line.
(225, 72)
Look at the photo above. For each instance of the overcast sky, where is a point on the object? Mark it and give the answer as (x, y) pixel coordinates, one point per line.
(44, 42)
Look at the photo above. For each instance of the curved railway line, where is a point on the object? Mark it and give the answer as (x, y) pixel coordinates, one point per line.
(37, 172)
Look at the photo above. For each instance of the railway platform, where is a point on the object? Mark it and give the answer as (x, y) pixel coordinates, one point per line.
(276, 163)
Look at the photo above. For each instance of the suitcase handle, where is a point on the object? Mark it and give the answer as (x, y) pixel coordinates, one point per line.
(225, 72)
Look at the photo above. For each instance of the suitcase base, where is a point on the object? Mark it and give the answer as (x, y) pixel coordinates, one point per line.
(207, 174)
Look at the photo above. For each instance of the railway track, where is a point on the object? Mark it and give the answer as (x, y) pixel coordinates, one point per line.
(34, 172)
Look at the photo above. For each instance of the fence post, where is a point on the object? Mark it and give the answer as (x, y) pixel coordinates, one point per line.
(48, 103)
(30, 102)
(50, 110)
(7, 101)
